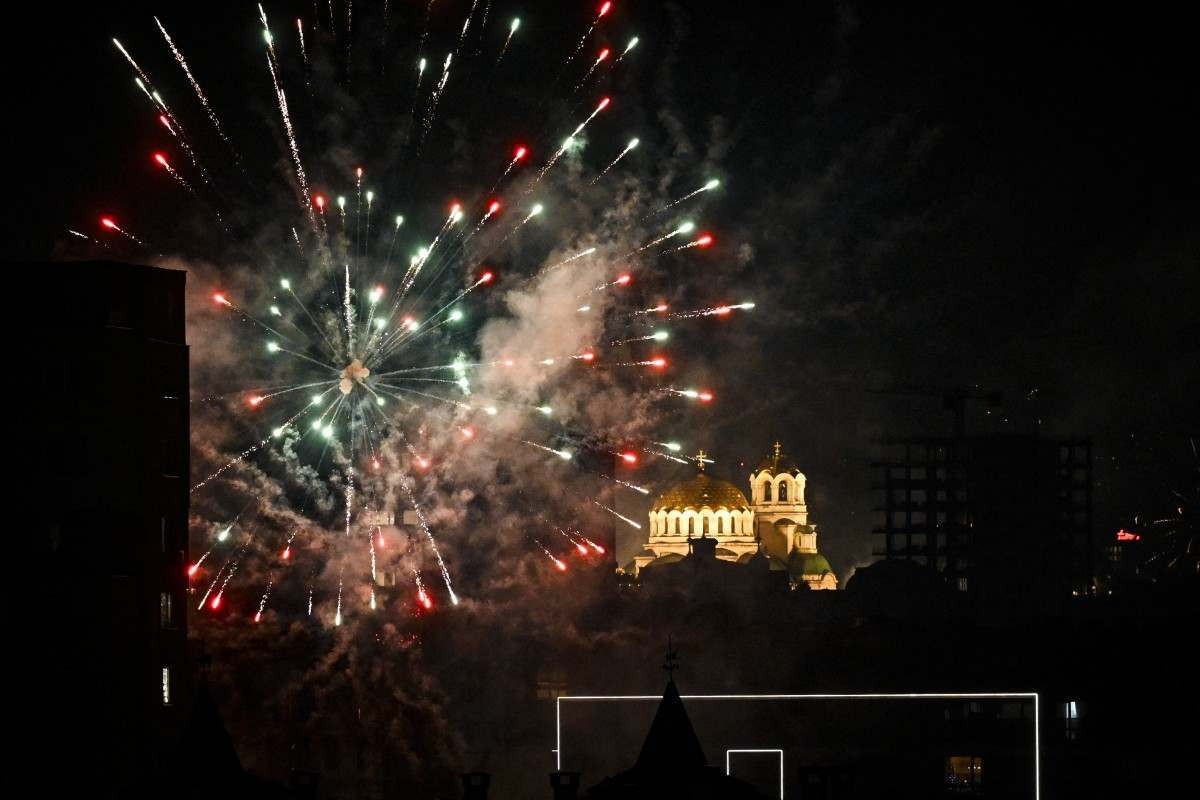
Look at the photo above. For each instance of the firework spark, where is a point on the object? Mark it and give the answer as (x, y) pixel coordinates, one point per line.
(212, 115)
(512, 29)
(618, 515)
(633, 143)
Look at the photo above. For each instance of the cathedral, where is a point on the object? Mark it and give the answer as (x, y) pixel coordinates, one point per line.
(774, 520)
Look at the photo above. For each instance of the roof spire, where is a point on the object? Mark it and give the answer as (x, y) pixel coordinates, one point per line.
(672, 661)
(775, 459)
(701, 458)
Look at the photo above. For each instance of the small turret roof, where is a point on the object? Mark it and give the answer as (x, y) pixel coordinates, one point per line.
(777, 461)
(671, 743)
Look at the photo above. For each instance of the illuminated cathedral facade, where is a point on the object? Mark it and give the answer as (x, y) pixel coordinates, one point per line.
(774, 520)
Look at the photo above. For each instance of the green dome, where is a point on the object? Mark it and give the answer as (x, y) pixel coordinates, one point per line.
(809, 564)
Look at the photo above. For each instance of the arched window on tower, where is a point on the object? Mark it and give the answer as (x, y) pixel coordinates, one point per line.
(704, 526)
(767, 492)
(783, 491)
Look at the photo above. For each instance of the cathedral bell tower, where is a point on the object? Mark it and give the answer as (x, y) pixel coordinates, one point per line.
(781, 520)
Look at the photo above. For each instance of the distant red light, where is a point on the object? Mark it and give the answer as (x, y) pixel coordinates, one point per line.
(468, 433)
(604, 9)
(256, 400)
(724, 310)
(582, 550)
(604, 104)
(220, 299)
(597, 548)
(286, 554)
(629, 457)
(1126, 536)
(216, 603)
(161, 159)
(423, 463)
(319, 200)
(191, 571)
(486, 277)
(108, 223)
(705, 240)
(258, 617)
(603, 54)
(561, 565)
(424, 600)
(705, 396)
(624, 279)
(658, 363)
(494, 207)
(521, 151)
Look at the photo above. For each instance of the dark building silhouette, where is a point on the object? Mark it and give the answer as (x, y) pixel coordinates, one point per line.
(1007, 520)
(702, 571)
(109, 444)
(672, 764)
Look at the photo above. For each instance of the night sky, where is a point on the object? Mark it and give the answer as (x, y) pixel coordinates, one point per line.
(931, 197)
(921, 196)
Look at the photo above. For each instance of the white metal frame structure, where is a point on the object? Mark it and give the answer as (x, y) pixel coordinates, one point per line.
(1037, 743)
(777, 751)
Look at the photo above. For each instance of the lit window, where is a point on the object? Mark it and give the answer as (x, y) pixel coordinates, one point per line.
(166, 686)
(964, 773)
(962, 584)
(1071, 715)
(166, 610)
(783, 492)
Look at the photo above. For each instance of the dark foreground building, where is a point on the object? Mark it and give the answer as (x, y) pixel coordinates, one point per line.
(108, 438)
(671, 764)
(111, 695)
(1007, 520)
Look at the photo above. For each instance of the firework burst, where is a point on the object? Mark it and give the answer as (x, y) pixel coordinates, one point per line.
(372, 375)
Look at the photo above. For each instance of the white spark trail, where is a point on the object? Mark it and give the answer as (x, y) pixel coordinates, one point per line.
(707, 187)
(621, 517)
(633, 143)
(516, 23)
(429, 535)
(212, 116)
(281, 97)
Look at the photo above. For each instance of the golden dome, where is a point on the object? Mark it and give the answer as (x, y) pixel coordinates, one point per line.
(701, 491)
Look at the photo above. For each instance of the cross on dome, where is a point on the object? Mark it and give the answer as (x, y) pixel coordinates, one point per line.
(701, 458)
